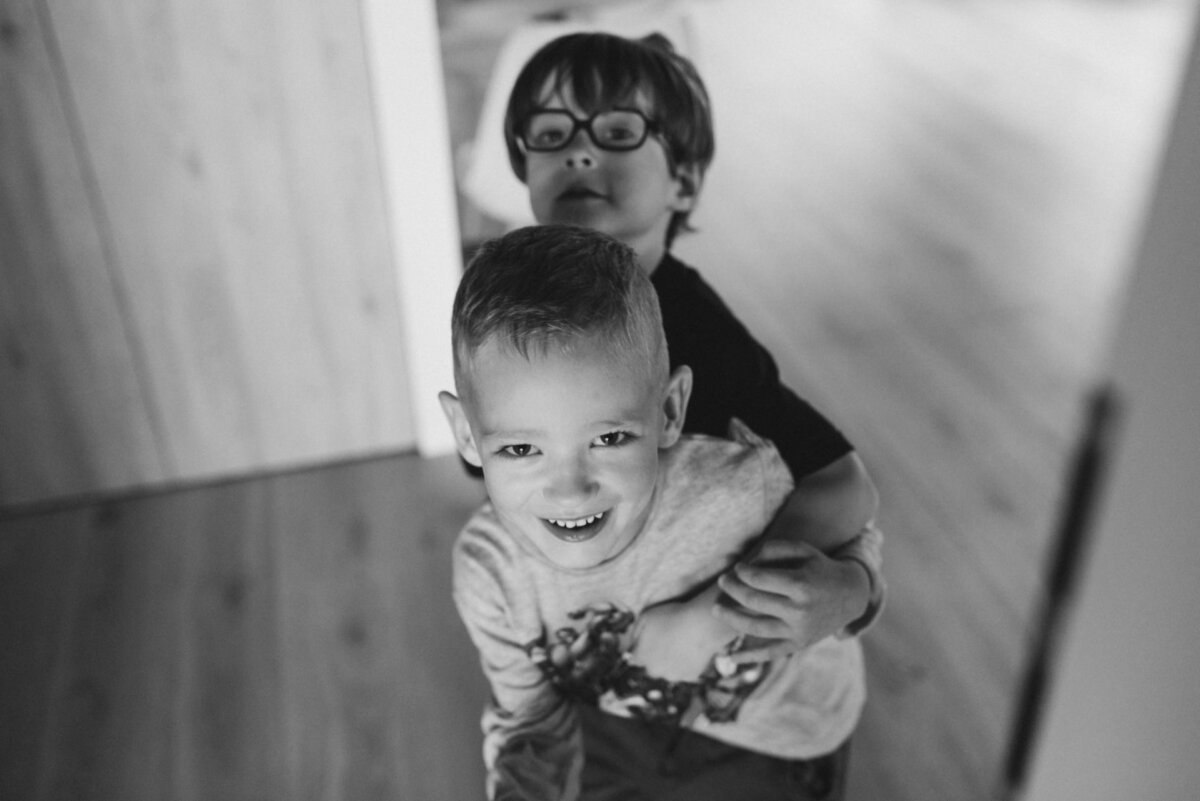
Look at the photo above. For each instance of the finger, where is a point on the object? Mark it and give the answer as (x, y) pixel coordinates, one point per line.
(775, 550)
(774, 649)
(726, 607)
(786, 582)
(749, 623)
(755, 600)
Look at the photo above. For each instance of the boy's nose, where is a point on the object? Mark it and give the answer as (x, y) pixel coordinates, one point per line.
(579, 152)
(580, 160)
(570, 483)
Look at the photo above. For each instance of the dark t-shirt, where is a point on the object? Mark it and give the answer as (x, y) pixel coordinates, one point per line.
(735, 376)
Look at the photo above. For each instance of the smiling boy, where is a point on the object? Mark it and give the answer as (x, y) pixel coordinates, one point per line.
(569, 439)
(600, 511)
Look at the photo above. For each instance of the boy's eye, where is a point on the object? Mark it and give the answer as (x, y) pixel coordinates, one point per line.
(613, 438)
(616, 134)
(546, 137)
(621, 129)
(548, 129)
(519, 450)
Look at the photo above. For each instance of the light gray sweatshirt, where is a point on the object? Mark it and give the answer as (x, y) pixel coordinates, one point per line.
(714, 497)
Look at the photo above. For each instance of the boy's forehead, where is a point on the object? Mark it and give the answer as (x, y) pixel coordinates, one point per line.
(502, 381)
(499, 361)
(559, 91)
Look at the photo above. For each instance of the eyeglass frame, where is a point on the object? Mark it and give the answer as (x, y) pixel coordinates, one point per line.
(586, 125)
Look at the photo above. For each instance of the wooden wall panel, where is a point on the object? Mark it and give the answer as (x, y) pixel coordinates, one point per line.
(73, 416)
(234, 151)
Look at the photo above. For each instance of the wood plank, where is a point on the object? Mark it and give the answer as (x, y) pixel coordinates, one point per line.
(382, 689)
(74, 417)
(235, 155)
(40, 569)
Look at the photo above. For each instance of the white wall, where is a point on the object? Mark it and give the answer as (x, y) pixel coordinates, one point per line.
(414, 144)
(1123, 720)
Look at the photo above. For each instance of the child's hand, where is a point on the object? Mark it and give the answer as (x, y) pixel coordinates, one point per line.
(677, 640)
(789, 595)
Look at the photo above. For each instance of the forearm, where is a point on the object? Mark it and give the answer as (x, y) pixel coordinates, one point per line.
(829, 508)
(817, 567)
(678, 640)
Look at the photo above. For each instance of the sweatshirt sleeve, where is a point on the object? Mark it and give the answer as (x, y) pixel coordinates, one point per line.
(532, 745)
(777, 481)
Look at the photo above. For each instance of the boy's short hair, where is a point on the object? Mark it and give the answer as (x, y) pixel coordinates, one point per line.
(604, 70)
(547, 286)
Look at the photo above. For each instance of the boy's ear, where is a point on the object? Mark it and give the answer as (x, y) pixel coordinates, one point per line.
(688, 179)
(460, 427)
(679, 391)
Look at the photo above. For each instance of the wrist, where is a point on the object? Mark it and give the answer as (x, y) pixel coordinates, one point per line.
(858, 577)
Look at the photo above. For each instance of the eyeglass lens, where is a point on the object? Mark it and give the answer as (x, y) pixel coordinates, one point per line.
(615, 129)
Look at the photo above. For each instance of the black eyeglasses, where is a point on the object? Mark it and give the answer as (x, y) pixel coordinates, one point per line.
(615, 129)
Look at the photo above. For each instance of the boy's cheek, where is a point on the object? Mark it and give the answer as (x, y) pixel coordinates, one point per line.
(540, 185)
(539, 207)
(497, 482)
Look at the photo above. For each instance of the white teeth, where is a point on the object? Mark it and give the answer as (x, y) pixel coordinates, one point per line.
(583, 521)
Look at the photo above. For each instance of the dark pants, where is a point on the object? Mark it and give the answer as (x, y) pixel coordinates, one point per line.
(628, 760)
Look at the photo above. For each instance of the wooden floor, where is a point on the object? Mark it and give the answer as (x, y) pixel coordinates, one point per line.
(924, 209)
(278, 638)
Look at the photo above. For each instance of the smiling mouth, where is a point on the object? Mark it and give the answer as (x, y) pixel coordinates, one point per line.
(579, 529)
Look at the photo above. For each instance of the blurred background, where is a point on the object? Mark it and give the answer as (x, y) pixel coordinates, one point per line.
(228, 237)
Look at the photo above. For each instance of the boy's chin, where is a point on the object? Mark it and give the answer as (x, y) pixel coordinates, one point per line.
(575, 555)
(586, 213)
